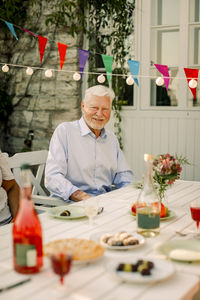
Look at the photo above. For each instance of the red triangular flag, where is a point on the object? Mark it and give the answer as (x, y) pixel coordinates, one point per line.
(62, 48)
(192, 74)
(42, 45)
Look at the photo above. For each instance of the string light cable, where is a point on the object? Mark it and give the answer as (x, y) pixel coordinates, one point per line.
(101, 78)
(30, 70)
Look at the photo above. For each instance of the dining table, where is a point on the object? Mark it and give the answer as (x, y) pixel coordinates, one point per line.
(95, 279)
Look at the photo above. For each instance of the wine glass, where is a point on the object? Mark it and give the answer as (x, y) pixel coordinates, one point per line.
(91, 206)
(61, 264)
(195, 213)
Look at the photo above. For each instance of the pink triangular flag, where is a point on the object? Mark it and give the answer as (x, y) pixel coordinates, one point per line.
(62, 48)
(42, 45)
(163, 69)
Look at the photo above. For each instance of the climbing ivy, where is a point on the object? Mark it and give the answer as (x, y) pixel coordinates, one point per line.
(106, 23)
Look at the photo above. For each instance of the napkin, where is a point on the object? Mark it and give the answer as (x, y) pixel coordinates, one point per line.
(184, 255)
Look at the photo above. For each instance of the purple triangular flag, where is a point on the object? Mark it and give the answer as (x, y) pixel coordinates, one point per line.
(163, 69)
(83, 56)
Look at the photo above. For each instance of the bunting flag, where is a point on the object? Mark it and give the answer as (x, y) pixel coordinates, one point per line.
(163, 69)
(134, 66)
(192, 74)
(33, 34)
(10, 26)
(83, 56)
(42, 44)
(62, 48)
(108, 60)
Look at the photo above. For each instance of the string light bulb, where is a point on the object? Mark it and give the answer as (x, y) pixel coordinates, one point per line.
(159, 81)
(48, 73)
(5, 68)
(130, 80)
(101, 78)
(192, 84)
(76, 76)
(29, 71)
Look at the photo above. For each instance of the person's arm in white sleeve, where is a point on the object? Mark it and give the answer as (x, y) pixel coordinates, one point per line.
(56, 169)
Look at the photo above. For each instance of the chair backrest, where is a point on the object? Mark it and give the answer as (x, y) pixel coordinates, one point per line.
(36, 159)
(33, 158)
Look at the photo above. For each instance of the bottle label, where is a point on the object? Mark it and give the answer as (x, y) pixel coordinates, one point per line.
(26, 255)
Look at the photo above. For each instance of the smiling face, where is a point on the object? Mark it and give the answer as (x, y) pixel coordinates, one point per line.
(96, 112)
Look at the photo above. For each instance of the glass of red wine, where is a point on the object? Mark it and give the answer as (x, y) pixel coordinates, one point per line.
(61, 264)
(195, 213)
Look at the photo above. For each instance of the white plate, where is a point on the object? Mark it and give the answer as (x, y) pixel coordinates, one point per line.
(76, 212)
(96, 237)
(182, 245)
(171, 215)
(162, 270)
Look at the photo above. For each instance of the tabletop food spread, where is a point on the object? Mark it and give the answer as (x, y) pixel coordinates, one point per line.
(137, 270)
(121, 240)
(110, 259)
(81, 249)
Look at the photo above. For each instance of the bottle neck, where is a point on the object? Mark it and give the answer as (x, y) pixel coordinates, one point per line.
(148, 176)
(26, 193)
(26, 188)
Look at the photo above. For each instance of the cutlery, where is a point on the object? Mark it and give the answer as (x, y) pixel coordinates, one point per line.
(14, 285)
(100, 210)
(187, 233)
(182, 233)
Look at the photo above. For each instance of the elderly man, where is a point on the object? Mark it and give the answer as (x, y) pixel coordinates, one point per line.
(84, 158)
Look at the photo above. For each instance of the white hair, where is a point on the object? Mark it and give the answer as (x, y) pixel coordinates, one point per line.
(99, 90)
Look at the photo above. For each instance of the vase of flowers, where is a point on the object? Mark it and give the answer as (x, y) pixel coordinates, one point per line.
(166, 169)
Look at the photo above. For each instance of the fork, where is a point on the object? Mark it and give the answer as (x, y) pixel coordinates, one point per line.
(182, 233)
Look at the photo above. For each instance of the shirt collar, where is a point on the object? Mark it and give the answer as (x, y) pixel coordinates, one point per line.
(86, 130)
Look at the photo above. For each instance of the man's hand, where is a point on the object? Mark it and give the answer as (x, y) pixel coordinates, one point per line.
(79, 196)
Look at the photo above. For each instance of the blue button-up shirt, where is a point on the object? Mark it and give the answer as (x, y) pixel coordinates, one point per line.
(77, 160)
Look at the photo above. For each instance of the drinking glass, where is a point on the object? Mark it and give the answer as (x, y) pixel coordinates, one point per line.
(195, 213)
(91, 206)
(61, 264)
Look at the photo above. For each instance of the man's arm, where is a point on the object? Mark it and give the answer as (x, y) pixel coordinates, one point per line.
(79, 196)
(12, 190)
(57, 166)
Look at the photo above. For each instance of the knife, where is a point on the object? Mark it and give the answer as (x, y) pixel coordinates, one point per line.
(14, 285)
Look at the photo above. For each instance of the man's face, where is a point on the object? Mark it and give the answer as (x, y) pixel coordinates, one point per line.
(96, 111)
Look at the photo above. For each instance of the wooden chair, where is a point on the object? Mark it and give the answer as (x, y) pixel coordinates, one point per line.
(37, 160)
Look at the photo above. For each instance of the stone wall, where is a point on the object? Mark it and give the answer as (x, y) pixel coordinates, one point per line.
(40, 103)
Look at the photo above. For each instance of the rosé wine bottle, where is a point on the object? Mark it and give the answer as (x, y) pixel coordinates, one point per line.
(27, 231)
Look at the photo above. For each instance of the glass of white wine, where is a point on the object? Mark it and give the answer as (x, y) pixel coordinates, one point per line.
(91, 207)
